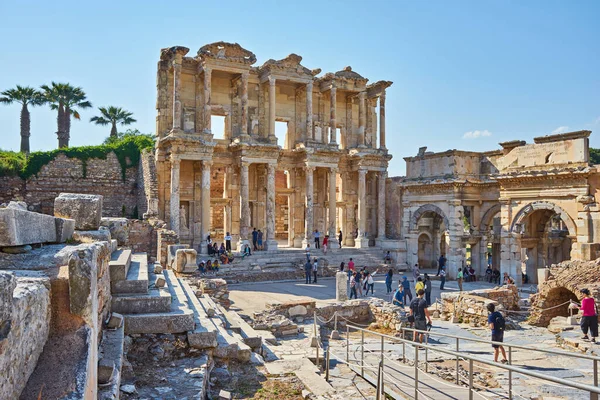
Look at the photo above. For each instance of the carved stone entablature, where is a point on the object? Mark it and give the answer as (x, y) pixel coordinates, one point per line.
(562, 136)
(167, 54)
(190, 63)
(377, 88)
(374, 162)
(200, 146)
(539, 175)
(345, 79)
(231, 52)
(288, 67)
(249, 151)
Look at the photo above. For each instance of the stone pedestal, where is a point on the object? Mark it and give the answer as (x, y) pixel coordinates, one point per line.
(185, 261)
(341, 286)
(172, 251)
(85, 209)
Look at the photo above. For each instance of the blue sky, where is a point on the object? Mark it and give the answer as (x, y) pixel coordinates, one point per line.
(466, 75)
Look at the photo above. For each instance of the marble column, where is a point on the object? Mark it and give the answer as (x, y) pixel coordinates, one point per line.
(226, 195)
(309, 207)
(309, 111)
(271, 244)
(332, 114)
(272, 102)
(244, 205)
(333, 241)
(177, 118)
(205, 204)
(382, 120)
(381, 208)
(362, 240)
(174, 202)
(244, 104)
(361, 119)
(196, 207)
(207, 100)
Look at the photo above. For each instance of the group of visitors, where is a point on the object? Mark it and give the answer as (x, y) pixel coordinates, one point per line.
(360, 280)
(311, 270)
(208, 267)
(492, 275)
(404, 290)
(257, 240)
(222, 253)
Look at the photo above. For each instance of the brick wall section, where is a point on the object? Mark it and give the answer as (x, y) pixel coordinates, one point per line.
(164, 238)
(147, 189)
(143, 236)
(65, 174)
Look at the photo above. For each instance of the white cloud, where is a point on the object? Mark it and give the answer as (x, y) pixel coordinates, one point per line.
(560, 129)
(476, 134)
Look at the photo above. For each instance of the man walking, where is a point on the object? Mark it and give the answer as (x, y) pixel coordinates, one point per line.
(353, 285)
(317, 239)
(442, 278)
(406, 287)
(315, 270)
(254, 239)
(427, 289)
(308, 272)
(307, 252)
(496, 323)
(340, 237)
(441, 264)
(228, 242)
(418, 309)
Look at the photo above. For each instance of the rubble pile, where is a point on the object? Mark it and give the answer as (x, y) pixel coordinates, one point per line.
(217, 289)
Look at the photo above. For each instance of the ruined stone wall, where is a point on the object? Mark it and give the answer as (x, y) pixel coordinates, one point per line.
(147, 190)
(63, 174)
(24, 327)
(471, 307)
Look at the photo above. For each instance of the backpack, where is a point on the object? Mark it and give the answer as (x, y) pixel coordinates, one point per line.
(499, 322)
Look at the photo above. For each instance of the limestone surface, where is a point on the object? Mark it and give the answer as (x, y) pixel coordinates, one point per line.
(85, 209)
(20, 227)
(185, 260)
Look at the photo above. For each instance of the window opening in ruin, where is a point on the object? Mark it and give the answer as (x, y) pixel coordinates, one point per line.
(281, 132)
(338, 136)
(217, 126)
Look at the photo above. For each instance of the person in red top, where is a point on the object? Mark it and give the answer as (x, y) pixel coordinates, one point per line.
(589, 321)
(325, 243)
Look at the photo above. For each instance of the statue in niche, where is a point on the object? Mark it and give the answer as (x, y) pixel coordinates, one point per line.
(183, 217)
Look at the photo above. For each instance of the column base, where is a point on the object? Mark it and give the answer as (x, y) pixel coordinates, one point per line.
(361, 243)
(333, 244)
(271, 245)
(298, 242)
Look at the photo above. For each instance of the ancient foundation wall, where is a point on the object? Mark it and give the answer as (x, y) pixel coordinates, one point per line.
(63, 174)
(139, 235)
(24, 327)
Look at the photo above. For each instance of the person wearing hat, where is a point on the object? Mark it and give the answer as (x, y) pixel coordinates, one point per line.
(589, 321)
(406, 286)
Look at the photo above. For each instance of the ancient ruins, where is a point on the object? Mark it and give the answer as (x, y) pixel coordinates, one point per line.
(99, 267)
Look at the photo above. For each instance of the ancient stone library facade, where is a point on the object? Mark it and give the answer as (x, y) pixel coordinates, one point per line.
(520, 208)
(328, 173)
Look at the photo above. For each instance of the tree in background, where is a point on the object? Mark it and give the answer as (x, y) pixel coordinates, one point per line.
(113, 115)
(26, 96)
(129, 133)
(66, 99)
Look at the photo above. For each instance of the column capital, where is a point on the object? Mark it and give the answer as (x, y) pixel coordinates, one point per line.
(207, 163)
(272, 80)
(207, 70)
(175, 160)
(245, 164)
(245, 74)
(309, 168)
(362, 171)
(362, 95)
(333, 88)
(383, 174)
(309, 84)
(334, 170)
(271, 168)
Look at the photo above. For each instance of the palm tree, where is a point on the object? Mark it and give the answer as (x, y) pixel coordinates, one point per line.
(65, 99)
(24, 95)
(113, 115)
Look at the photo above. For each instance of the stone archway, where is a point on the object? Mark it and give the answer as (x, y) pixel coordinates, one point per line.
(542, 205)
(429, 227)
(424, 209)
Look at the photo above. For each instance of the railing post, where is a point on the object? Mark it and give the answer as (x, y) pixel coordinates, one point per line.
(335, 323)
(362, 353)
(382, 364)
(510, 373)
(379, 373)
(347, 344)
(594, 396)
(457, 372)
(416, 372)
(470, 379)
(426, 364)
(327, 366)
(403, 352)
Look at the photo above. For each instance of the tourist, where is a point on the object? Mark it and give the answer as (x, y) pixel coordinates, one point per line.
(315, 269)
(419, 311)
(202, 268)
(215, 248)
(416, 272)
(496, 323)
(524, 278)
(254, 239)
(496, 276)
(370, 282)
(508, 280)
(459, 278)
(317, 239)
(489, 260)
(342, 265)
(209, 245)
(215, 266)
(340, 238)
(388, 280)
(427, 283)
(472, 274)
(325, 243)
(228, 242)
(308, 272)
(441, 264)
(419, 285)
(589, 321)
(359, 282)
(353, 285)
(222, 249)
(246, 251)
(209, 266)
(259, 239)
(488, 274)
(224, 259)
(406, 286)
(364, 273)
(307, 252)
(398, 299)
(350, 268)
(388, 258)
(442, 278)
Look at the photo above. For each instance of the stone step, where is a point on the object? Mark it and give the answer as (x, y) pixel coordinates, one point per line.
(111, 352)
(230, 345)
(178, 319)
(204, 334)
(251, 337)
(137, 277)
(119, 264)
(155, 301)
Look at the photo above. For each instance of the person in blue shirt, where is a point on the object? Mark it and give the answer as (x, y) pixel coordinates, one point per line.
(388, 280)
(406, 289)
(398, 299)
(497, 331)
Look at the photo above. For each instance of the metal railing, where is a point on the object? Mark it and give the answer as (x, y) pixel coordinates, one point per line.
(593, 390)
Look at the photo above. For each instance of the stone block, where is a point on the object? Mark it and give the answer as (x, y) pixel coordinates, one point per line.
(64, 229)
(119, 229)
(20, 227)
(115, 321)
(17, 249)
(158, 269)
(92, 236)
(185, 261)
(85, 209)
(335, 335)
(160, 282)
(172, 251)
(224, 395)
(106, 371)
(298, 310)
(341, 286)
(113, 245)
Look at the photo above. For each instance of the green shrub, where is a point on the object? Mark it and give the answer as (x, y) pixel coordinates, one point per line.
(594, 156)
(11, 163)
